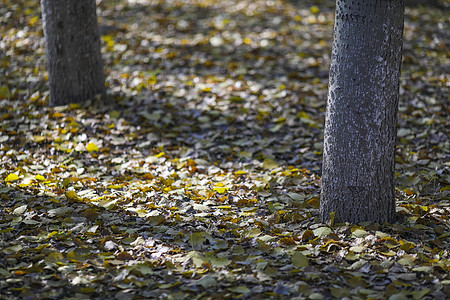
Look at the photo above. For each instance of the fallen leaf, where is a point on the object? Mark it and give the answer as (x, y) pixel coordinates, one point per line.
(4, 92)
(12, 177)
(299, 260)
(40, 177)
(91, 147)
(322, 231)
(240, 289)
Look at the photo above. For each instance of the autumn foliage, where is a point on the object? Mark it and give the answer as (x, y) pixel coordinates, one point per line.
(201, 178)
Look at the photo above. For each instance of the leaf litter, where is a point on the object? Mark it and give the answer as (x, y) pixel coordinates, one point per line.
(201, 178)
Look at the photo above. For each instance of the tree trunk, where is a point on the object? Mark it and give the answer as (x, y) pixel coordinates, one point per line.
(361, 117)
(72, 43)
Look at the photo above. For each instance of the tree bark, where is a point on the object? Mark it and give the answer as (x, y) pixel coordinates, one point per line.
(72, 43)
(361, 117)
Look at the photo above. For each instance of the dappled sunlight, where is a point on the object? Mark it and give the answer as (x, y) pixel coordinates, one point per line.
(201, 175)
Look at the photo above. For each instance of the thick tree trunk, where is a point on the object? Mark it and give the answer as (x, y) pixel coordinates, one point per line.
(73, 50)
(361, 117)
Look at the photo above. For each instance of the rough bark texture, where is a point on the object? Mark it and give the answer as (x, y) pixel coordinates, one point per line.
(73, 50)
(361, 117)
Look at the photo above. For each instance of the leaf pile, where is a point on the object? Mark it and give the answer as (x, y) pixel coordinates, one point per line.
(201, 178)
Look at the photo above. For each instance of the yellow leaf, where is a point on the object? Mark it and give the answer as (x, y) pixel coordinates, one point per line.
(281, 120)
(160, 154)
(409, 191)
(109, 40)
(115, 186)
(314, 9)
(71, 195)
(221, 190)
(240, 172)
(58, 115)
(75, 105)
(91, 147)
(224, 207)
(12, 177)
(33, 20)
(332, 216)
(39, 177)
(38, 138)
(406, 245)
(303, 115)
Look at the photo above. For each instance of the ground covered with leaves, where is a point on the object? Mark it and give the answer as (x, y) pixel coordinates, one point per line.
(201, 177)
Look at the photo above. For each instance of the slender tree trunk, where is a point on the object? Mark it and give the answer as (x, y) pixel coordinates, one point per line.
(361, 117)
(73, 50)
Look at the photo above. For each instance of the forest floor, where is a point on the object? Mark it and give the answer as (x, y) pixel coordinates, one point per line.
(201, 177)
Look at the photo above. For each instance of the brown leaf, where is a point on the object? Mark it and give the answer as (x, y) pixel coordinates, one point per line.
(124, 256)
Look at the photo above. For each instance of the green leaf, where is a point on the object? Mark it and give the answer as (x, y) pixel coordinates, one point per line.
(13, 249)
(253, 232)
(141, 269)
(243, 289)
(420, 294)
(4, 273)
(197, 238)
(296, 196)
(358, 249)
(197, 258)
(360, 233)
(207, 281)
(114, 114)
(406, 261)
(398, 296)
(299, 260)
(423, 269)
(4, 92)
(270, 164)
(219, 262)
(322, 231)
(54, 257)
(316, 296)
(339, 292)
